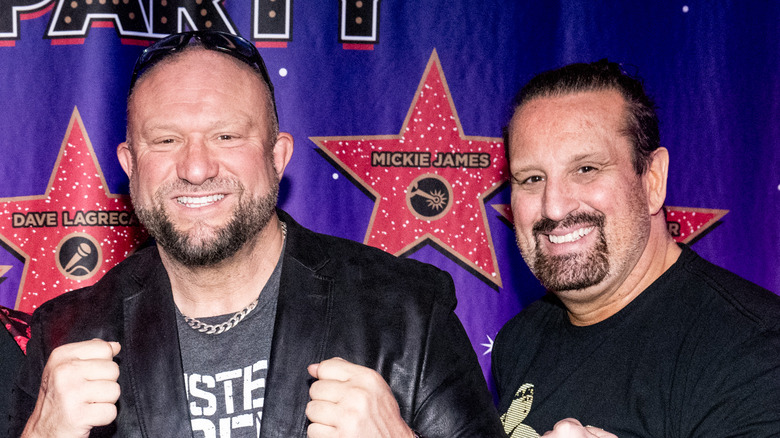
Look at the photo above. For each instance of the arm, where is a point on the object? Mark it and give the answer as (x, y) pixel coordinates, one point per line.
(452, 398)
(427, 377)
(739, 393)
(28, 380)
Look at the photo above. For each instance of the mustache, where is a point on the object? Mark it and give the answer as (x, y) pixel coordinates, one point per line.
(210, 185)
(545, 225)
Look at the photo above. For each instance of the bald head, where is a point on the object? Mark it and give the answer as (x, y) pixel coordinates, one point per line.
(211, 65)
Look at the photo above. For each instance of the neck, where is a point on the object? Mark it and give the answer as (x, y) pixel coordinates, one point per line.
(230, 285)
(658, 256)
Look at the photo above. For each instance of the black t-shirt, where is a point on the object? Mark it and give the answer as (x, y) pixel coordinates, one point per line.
(697, 354)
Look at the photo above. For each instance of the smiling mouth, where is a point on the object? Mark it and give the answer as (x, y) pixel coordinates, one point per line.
(571, 237)
(198, 201)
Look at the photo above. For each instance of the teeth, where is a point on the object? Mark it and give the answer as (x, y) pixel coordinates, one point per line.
(199, 201)
(571, 237)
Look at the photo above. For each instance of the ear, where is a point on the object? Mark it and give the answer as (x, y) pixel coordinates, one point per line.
(283, 150)
(654, 180)
(125, 156)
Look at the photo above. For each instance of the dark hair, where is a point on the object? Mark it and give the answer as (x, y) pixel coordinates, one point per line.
(641, 124)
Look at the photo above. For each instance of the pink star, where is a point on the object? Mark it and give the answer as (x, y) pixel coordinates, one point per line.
(73, 233)
(429, 181)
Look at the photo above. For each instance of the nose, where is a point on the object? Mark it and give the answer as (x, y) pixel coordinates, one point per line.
(559, 200)
(197, 162)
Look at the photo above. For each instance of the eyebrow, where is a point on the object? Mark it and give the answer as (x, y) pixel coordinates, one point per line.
(523, 169)
(215, 125)
(588, 156)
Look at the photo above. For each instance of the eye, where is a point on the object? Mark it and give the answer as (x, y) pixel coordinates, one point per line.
(225, 137)
(528, 180)
(164, 141)
(586, 169)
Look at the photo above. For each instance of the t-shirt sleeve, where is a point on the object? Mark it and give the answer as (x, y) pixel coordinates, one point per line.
(737, 395)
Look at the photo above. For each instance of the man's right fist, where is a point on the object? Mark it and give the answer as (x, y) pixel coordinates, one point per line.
(78, 390)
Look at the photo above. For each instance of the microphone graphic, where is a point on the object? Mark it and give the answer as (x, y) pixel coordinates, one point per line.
(82, 251)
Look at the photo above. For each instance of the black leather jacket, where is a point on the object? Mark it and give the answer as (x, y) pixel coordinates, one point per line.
(336, 298)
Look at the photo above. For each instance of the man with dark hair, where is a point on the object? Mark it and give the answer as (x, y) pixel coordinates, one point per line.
(240, 322)
(638, 335)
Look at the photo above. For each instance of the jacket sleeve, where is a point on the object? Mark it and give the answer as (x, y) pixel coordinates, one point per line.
(453, 399)
(25, 391)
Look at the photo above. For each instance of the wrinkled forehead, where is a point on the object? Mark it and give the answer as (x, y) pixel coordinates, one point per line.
(567, 116)
(201, 67)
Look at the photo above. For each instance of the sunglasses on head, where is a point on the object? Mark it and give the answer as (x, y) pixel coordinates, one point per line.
(223, 42)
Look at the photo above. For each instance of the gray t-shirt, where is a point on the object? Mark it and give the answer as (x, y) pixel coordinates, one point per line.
(225, 374)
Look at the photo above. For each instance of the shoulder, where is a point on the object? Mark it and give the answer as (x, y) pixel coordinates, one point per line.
(346, 254)
(87, 312)
(732, 324)
(732, 294)
(530, 326)
(105, 289)
(361, 268)
(732, 347)
(542, 312)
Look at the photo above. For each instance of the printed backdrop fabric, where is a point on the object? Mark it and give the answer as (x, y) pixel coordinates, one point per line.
(396, 108)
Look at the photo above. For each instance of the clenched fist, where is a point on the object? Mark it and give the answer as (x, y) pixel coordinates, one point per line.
(78, 390)
(350, 400)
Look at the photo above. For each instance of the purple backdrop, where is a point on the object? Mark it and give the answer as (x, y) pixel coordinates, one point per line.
(371, 75)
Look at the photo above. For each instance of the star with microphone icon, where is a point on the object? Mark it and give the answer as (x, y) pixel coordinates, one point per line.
(70, 235)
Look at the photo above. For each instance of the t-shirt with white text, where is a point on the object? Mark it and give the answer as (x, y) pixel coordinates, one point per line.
(225, 374)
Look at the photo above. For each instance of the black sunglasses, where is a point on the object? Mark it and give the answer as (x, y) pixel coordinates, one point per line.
(223, 42)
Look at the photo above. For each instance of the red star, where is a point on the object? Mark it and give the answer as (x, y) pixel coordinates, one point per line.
(684, 223)
(76, 203)
(430, 181)
(688, 223)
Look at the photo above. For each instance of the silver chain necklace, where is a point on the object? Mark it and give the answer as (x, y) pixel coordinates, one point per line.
(215, 329)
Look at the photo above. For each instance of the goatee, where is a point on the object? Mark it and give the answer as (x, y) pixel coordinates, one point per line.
(571, 271)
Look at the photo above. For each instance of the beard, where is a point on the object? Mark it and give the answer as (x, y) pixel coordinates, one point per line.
(570, 271)
(200, 247)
